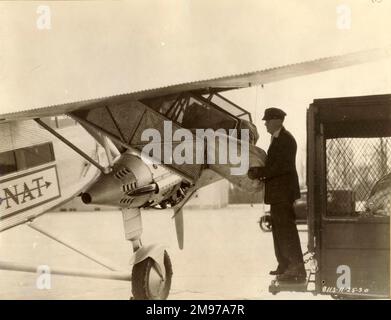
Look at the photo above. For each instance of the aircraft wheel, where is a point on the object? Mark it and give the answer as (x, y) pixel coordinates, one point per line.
(146, 282)
(265, 223)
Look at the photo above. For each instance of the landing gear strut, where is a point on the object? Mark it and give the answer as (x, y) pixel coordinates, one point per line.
(152, 269)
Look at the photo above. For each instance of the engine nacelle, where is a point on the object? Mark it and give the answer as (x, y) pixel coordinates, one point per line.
(132, 184)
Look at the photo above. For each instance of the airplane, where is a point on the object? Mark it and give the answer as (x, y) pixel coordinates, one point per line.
(114, 170)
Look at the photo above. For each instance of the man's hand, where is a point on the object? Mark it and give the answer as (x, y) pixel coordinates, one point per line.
(253, 173)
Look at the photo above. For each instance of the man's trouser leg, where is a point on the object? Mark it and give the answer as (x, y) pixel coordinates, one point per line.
(285, 235)
(276, 231)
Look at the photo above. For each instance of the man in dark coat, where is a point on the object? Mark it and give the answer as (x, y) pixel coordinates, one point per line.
(281, 190)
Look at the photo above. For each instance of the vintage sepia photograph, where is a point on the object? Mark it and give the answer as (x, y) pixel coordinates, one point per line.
(195, 150)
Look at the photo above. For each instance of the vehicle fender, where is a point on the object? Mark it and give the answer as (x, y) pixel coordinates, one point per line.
(155, 252)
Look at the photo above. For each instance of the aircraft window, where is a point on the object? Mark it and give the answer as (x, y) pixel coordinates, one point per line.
(7, 162)
(192, 112)
(161, 104)
(25, 158)
(228, 106)
(34, 156)
(198, 114)
(176, 109)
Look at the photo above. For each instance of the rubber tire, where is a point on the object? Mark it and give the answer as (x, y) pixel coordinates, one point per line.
(140, 283)
(263, 224)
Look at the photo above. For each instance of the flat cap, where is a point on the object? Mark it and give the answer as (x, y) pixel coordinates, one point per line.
(273, 113)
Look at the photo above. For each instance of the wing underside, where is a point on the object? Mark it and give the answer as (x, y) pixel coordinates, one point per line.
(217, 84)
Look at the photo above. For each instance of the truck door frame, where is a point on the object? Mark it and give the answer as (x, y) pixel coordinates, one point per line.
(318, 221)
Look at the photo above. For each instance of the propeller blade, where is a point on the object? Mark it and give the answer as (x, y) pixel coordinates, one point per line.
(179, 227)
(178, 216)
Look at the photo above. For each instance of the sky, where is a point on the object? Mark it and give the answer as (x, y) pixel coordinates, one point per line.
(99, 48)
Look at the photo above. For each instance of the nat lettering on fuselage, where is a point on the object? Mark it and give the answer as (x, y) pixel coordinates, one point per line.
(21, 194)
(28, 190)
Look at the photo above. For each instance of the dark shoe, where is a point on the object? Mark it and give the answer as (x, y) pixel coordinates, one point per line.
(295, 274)
(298, 278)
(277, 272)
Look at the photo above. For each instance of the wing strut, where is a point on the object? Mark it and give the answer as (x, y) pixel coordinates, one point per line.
(114, 272)
(71, 145)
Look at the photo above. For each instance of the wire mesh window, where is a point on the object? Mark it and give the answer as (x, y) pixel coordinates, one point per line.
(358, 176)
